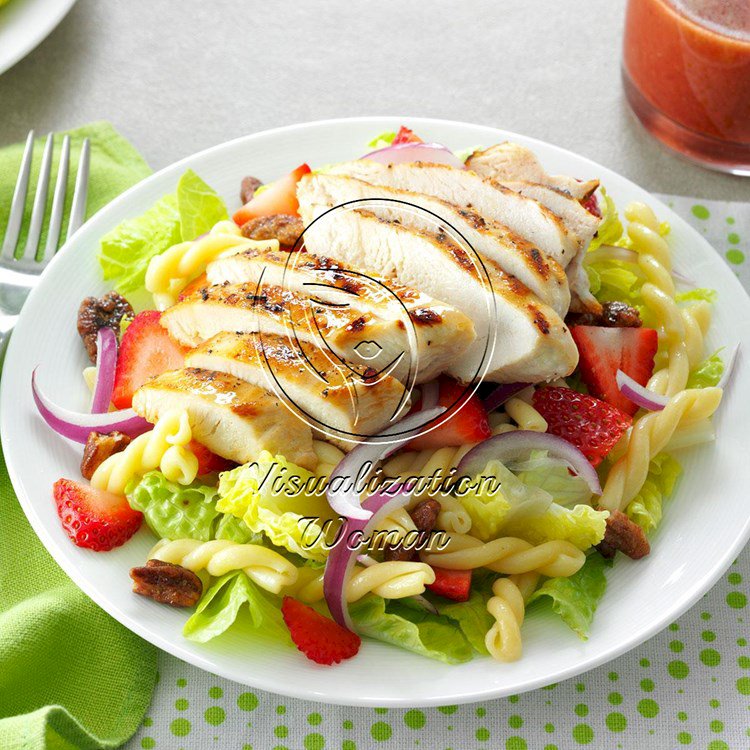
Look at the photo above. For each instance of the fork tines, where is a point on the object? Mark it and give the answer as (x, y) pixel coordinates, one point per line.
(39, 208)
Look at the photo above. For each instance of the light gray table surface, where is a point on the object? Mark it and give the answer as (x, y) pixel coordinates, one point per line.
(178, 77)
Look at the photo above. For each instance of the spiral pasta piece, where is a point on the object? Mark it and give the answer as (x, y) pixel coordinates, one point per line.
(508, 607)
(509, 555)
(681, 329)
(270, 570)
(171, 271)
(650, 435)
(164, 447)
(391, 580)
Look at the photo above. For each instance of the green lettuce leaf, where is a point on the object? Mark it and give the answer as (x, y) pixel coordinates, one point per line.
(175, 511)
(198, 205)
(265, 495)
(552, 475)
(125, 252)
(576, 598)
(707, 373)
(222, 602)
(410, 628)
(382, 140)
(700, 294)
(645, 508)
(471, 617)
(580, 525)
(610, 229)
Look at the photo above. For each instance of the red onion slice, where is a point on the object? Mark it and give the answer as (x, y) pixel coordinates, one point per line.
(639, 394)
(106, 361)
(356, 465)
(341, 559)
(76, 426)
(406, 153)
(518, 444)
(501, 394)
(430, 395)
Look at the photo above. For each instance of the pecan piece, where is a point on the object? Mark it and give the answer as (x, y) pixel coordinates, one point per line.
(99, 447)
(282, 227)
(167, 583)
(613, 315)
(424, 516)
(248, 187)
(94, 314)
(625, 536)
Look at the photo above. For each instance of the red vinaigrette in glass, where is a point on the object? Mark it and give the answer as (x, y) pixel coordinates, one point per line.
(686, 70)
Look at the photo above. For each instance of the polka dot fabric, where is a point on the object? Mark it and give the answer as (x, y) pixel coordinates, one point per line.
(688, 687)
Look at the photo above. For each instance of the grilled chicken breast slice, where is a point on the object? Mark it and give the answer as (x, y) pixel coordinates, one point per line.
(441, 331)
(530, 342)
(466, 189)
(511, 161)
(344, 330)
(328, 396)
(543, 276)
(230, 416)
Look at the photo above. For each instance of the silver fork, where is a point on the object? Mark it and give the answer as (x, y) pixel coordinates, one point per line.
(18, 275)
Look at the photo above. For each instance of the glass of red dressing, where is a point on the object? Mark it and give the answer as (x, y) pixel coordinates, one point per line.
(686, 71)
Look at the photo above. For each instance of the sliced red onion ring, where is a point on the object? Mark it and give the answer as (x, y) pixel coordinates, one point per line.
(639, 394)
(405, 153)
(342, 493)
(729, 368)
(501, 394)
(341, 559)
(106, 361)
(511, 446)
(76, 426)
(430, 395)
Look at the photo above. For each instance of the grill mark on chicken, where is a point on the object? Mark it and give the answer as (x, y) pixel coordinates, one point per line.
(426, 317)
(540, 321)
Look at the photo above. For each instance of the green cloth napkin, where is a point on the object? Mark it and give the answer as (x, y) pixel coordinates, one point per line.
(71, 678)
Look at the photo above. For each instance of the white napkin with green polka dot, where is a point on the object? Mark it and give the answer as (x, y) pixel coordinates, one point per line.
(687, 687)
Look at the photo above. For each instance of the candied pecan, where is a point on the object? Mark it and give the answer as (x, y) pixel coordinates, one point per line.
(613, 315)
(94, 314)
(100, 447)
(625, 536)
(424, 516)
(282, 227)
(167, 583)
(248, 187)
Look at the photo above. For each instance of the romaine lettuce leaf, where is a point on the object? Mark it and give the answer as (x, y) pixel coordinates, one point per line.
(645, 508)
(576, 598)
(580, 525)
(124, 253)
(610, 229)
(221, 603)
(471, 617)
(175, 511)
(410, 628)
(707, 373)
(263, 494)
(198, 205)
(382, 140)
(552, 475)
(701, 294)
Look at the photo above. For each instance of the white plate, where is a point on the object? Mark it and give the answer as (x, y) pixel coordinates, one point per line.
(24, 24)
(705, 525)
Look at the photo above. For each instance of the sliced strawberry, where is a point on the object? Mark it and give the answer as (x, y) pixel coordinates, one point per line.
(591, 204)
(405, 135)
(593, 426)
(279, 198)
(146, 351)
(320, 639)
(193, 286)
(468, 423)
(208, 461)
(93, 518)
(604, 351)
(452, 584)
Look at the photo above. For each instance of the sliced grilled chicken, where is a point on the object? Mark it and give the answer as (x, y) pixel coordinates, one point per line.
(326, 395)
(511, 161)
(348, 332)
(230, 416)
(441, 331)
(530, 341)
(466, 189)
(543, 276)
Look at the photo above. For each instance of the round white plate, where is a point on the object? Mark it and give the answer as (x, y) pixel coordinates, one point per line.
(24, 24)
(705, 524)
